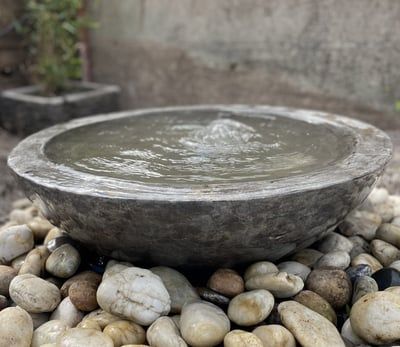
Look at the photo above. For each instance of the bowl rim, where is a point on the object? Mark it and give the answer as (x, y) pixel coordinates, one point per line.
(372, 150)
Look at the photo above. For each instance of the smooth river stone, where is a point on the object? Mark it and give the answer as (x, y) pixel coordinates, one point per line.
(89, 324)
(384, 252)
(334, 242)
(387, 277)
(213, 297)
(389, 233)
(164, 333)
(203, 324)
(84, 337)
(348, 333)
(361, 223)
(375, 318)
(316, 303)
(365, 258)
(135, 294)
(113, 267)
(363, 286)
(241, 338)
(332, 284)
(34, 261)
(101, 317)
(337, 259)
(16, 328)
(34, 294)
(64, 261)
(179, 288)
(360, 246)
(52, 234)
(357, 271)
(48, 332)
(275, 335)
(123, 332)
(378, 196)
(309, 328)
(295, 268)
(260, 268)
(3, 302)
(226, 282)
(18, 261)
(68, 313)
(251, 308)
(89, 276)
(39, 319)
(22, 216)
(7, 273)
(15, 241)
(40, 227)
(307, 256)
(281, 284)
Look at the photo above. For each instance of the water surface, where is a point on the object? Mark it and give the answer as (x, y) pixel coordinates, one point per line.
(197, 148)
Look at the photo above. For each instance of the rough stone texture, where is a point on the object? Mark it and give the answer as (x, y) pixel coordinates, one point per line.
(22, 112)
(300, 209)
(300, 54)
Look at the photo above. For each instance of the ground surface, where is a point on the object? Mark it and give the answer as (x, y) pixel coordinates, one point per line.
(9, 191)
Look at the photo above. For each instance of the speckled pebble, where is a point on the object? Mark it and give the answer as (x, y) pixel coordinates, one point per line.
(226, 282)
(275, 336)
(82, 294)
(251, 308)
(240, 338)
(89, 276)
(16, 328)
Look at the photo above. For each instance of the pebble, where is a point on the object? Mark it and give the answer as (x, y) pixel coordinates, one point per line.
(362, 286)
(16, 328)
(40, 227)
(384, 252)
(361, 223)
(357, 271)
(67, 312)
(7, 273)
(395, 265)
(164, 333)
(57, 242)
(113, 267)
(359, 246)
(211, 296)
(226, 282)
(281, 284)
(89, 276)
(365, 258)
(3, 302)
(135, 294)
(23, 216)
(34, 294)
(332, 284)
(295, 268)
(101, 317)
(387, 277)
(39, 318)
(240, 338)
(386, 211)
(375, 318)
(251, 308)
(336, 259)
(348, 333)
(307, 256)
(179, 288)
(317, 303)
(83, 295)
(203, 324)
(334, 242)
(48, 332)
(275, 336)
(64, 261)
(309, 328)
(34, 261)
(21, 203)
(89, 324)
(18, 262)
(389, 233)
(395, 221)
(15, 241)
(260, 268)
(378, 196)
(123, 332)
(52, 234)
(84, 337)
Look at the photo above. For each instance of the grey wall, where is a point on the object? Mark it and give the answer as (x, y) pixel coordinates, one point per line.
(338, 55)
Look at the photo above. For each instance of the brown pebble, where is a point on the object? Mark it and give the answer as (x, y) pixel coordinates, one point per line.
(3, 302)
(85, 275)
(227, 282)
(7, 273)
(332, 284)
(82, 294)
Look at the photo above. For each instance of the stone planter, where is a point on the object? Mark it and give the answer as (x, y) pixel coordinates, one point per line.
(23, 112)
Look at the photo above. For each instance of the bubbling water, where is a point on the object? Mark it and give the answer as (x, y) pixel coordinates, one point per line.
(197, 148)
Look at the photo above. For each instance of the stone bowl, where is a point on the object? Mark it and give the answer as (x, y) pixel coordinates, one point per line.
(210, 225)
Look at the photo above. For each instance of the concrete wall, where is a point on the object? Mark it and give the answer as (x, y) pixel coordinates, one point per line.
(338, 55)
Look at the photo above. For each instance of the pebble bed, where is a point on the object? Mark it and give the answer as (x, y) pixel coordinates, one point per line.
(342, 291)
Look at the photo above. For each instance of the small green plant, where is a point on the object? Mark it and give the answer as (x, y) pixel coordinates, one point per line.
(52, 30)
